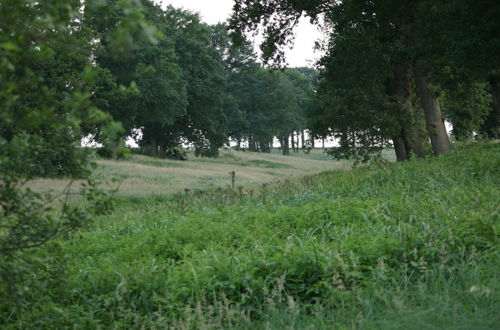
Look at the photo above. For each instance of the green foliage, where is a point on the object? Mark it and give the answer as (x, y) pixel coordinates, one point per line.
(395, 245)
(47, 82)
(177, 153)
(467, 107)
(263, 104)
(354, 103)
(171, 87)
(373, 50)
(30, 263)
(384, 245)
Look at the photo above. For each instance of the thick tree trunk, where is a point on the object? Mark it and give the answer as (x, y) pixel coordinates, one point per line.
(313, 142)
(323, 142)
(293, 141)
(399, 148)
(400, 90)
(414, 143)
(433, 118)
(303, 135)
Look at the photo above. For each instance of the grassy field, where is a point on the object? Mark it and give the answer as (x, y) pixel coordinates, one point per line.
(394, 246)
(143, 175)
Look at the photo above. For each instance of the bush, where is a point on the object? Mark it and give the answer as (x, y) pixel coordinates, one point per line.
(177, 153)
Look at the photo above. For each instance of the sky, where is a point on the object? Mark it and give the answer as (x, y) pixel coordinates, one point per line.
(215, 11)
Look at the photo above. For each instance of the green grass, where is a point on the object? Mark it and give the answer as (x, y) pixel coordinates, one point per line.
(395, 246)
(143, 176)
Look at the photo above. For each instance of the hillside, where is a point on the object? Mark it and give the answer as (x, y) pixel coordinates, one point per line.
(411, 246)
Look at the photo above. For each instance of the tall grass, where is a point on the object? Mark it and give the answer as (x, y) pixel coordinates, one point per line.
(403, 246)
(143, 176)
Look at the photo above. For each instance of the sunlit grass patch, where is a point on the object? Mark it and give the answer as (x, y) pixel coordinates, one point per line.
(142, 175)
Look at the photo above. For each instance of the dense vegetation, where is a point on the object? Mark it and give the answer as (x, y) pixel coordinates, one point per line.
(391, 67)
(411, 245)
(385, 245)
(192, 86)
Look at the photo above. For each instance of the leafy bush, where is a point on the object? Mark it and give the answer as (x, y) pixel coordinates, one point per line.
(30, 264)
(47, 82)
(177, 153)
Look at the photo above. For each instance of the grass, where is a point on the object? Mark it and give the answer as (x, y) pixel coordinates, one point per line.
(395, 246)
(144, 176)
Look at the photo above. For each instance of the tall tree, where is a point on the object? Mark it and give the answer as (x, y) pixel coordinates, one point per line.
(47, 83)
(409, 41)
(204, 123)
(151, 69)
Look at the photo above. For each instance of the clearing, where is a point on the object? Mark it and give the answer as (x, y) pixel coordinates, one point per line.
(142, 175)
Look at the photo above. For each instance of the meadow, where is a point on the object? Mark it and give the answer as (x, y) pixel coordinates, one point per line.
(142, 175)
(388, 246)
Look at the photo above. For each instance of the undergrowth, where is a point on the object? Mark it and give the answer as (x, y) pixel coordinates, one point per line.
(390, 246)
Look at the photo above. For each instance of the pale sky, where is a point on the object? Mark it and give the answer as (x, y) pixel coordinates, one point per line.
(215, 11)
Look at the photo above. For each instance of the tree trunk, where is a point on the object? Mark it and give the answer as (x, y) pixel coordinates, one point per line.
(399, 148)
(495, 92)
(491, 127)
(297, 145)
(153, 146)
(238, 147)
(433, 118)
(400, 90)
(414, 133)
(293, 141)
(285, 148)
(162, 151)
(252, 144)
(264, 147)
(323, 142)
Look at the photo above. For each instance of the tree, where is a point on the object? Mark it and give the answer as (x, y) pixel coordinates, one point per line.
(470, 36)
(414, 45)
(204, 124)
(47, 79)
(179, 81)
(238, 62)
(466, 106)
(150, 87)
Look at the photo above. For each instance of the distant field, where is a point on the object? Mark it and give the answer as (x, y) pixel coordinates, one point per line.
(143, 175)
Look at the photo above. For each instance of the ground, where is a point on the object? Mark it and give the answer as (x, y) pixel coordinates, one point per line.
(410, 245)
(143, 175)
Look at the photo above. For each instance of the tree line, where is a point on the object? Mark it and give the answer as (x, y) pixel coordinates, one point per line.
(393, 71)
(111, 69)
